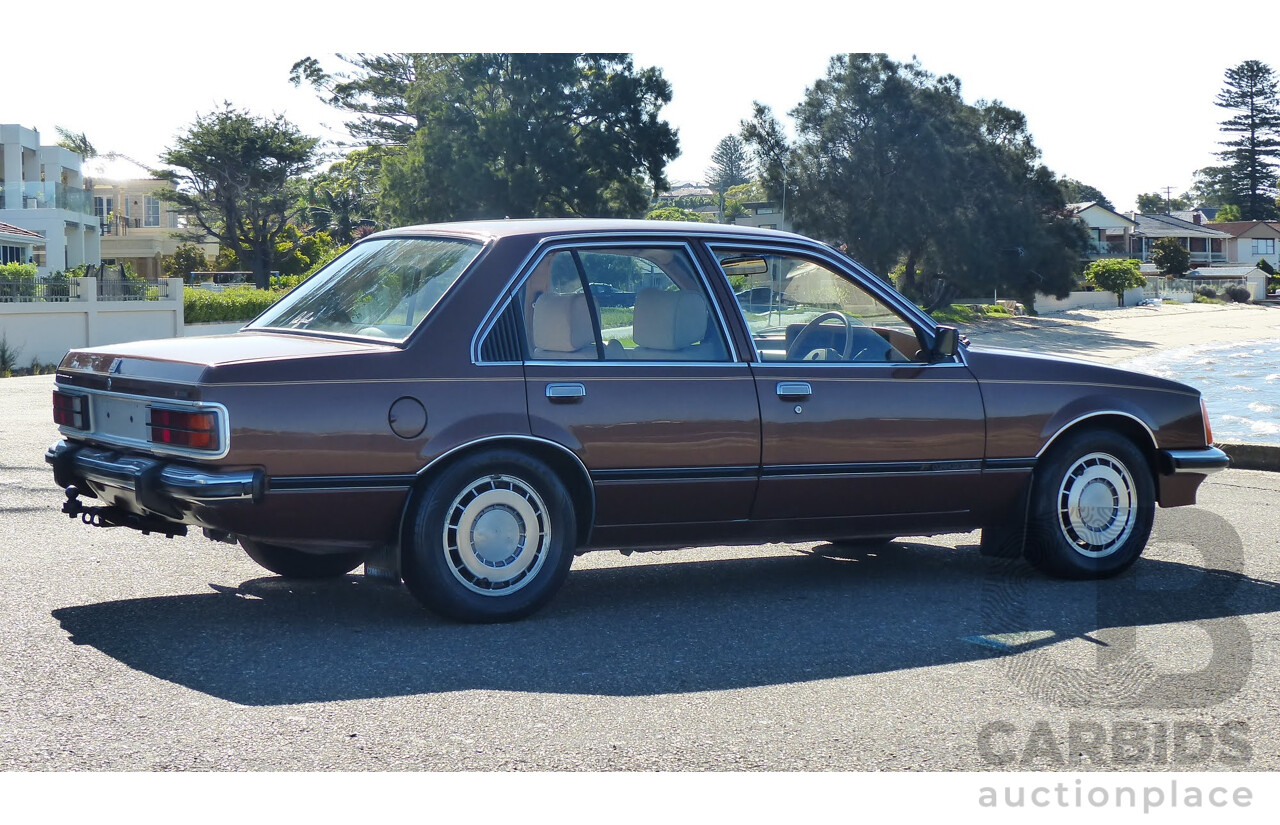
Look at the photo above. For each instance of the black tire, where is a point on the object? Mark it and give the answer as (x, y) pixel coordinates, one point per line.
(491, 540)
(295, 564)
(1092, 506)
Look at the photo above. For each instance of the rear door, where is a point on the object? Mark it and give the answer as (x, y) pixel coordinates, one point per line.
(643, 385)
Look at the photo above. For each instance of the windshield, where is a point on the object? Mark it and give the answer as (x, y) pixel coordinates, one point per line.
(377, 289)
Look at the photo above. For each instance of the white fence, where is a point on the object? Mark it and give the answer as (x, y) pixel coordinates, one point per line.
(43, 328)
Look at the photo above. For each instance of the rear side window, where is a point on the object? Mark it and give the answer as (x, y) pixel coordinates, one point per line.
(619, 304)
(378, 289)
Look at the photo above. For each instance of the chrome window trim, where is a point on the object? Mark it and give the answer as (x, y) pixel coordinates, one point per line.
(583, 243)
(1150, 434)
(657, 235)
(841, 264)
(224, 423)
(622, 363)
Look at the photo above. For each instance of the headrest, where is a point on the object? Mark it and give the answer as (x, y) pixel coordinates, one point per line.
(669, 320)
(561, 323)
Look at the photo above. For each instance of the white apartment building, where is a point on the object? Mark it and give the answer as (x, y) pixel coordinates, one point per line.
(42, 190)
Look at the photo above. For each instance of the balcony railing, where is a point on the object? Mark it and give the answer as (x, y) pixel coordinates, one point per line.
(51, 196)
(1107, 249)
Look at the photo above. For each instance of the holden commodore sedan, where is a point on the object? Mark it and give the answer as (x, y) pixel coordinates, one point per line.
(453, 406)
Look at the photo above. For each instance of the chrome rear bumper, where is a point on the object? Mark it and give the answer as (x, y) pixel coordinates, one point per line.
(151, 478)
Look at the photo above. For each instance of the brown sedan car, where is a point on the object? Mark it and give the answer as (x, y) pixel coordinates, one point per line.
(453, 407)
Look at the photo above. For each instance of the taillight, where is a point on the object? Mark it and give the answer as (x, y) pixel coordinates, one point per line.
(1208, 431)
(71, 410)
(182, 428)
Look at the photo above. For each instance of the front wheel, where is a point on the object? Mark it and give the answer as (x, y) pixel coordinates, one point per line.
(295, 564)
(1092, 506)
(491, 540)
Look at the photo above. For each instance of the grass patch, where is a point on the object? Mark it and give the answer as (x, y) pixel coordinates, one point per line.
(1204, 299)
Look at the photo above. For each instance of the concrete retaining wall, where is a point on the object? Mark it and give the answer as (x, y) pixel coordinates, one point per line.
(1086, 300)
(1253, 456)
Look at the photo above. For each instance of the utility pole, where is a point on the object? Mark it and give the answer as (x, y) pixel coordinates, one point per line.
(1168, 203)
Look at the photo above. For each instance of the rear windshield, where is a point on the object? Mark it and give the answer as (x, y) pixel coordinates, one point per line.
(378, 289)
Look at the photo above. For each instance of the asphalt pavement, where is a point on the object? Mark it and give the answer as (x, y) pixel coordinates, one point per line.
(127, 652)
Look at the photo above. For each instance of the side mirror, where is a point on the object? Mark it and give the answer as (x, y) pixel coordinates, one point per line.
(945, 343)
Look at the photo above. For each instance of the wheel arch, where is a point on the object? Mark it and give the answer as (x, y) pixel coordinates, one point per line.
(562, 461)
(1117, 421)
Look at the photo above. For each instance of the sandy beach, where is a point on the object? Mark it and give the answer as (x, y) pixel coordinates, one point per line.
(1114, 335)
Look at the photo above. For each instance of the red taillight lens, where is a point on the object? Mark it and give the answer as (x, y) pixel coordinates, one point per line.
(1208, 430)
(181, 428)
(70, 410)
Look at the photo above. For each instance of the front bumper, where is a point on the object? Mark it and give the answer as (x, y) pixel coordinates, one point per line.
(158, 485)
(1203, 461)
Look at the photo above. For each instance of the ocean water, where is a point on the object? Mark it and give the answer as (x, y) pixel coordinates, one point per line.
(1240, 384)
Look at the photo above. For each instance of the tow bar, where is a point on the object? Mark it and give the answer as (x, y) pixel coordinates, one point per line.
(110, 516)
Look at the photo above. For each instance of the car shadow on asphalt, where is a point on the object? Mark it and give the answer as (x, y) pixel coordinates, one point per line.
(653, 627)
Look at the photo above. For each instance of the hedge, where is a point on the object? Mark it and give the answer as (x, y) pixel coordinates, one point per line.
(232, 304)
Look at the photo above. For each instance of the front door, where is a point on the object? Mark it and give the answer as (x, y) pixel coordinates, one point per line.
(861, 429)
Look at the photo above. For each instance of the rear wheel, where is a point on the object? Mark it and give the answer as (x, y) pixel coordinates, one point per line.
(1092, 506)
(491, 540)
(295, 564)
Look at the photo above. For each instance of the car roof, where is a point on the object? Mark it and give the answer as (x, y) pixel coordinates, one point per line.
(548, 227)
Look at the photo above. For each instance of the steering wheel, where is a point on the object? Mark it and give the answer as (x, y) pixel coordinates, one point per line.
(797, 347)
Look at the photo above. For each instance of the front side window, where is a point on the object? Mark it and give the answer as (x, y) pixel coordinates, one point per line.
(802, 310)
(377, 289)
(619, 304)
(152, 217)
(1264, 246)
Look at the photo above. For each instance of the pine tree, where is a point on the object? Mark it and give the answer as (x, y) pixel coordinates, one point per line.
(1251, 158)
(730, 167)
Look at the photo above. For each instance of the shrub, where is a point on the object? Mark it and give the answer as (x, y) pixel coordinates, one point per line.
(1266, 266)
(17, 272)
(232, 304)
(1115, 275)
(1207, 291)
(1239, 294)
(8, 357)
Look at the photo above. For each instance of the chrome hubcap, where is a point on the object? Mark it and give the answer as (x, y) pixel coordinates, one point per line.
(1097, 505)
(496, 535)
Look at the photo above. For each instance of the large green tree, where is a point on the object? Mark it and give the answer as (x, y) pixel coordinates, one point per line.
(235, 176)
(1251, 155)
(507, 135)
(375, 89)
(890, 159)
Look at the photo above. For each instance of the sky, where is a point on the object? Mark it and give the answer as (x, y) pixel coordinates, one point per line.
(1114, 97)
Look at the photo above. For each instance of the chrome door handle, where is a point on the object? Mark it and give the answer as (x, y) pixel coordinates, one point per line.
(794, 389)
(566, 392)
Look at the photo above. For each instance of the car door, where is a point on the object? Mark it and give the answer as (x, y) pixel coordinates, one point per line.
(651, 396)
(861, 428)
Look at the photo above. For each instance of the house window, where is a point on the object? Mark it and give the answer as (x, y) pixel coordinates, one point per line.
(1264, 246)
(765, 210)
(12, 255)
(152, 216)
